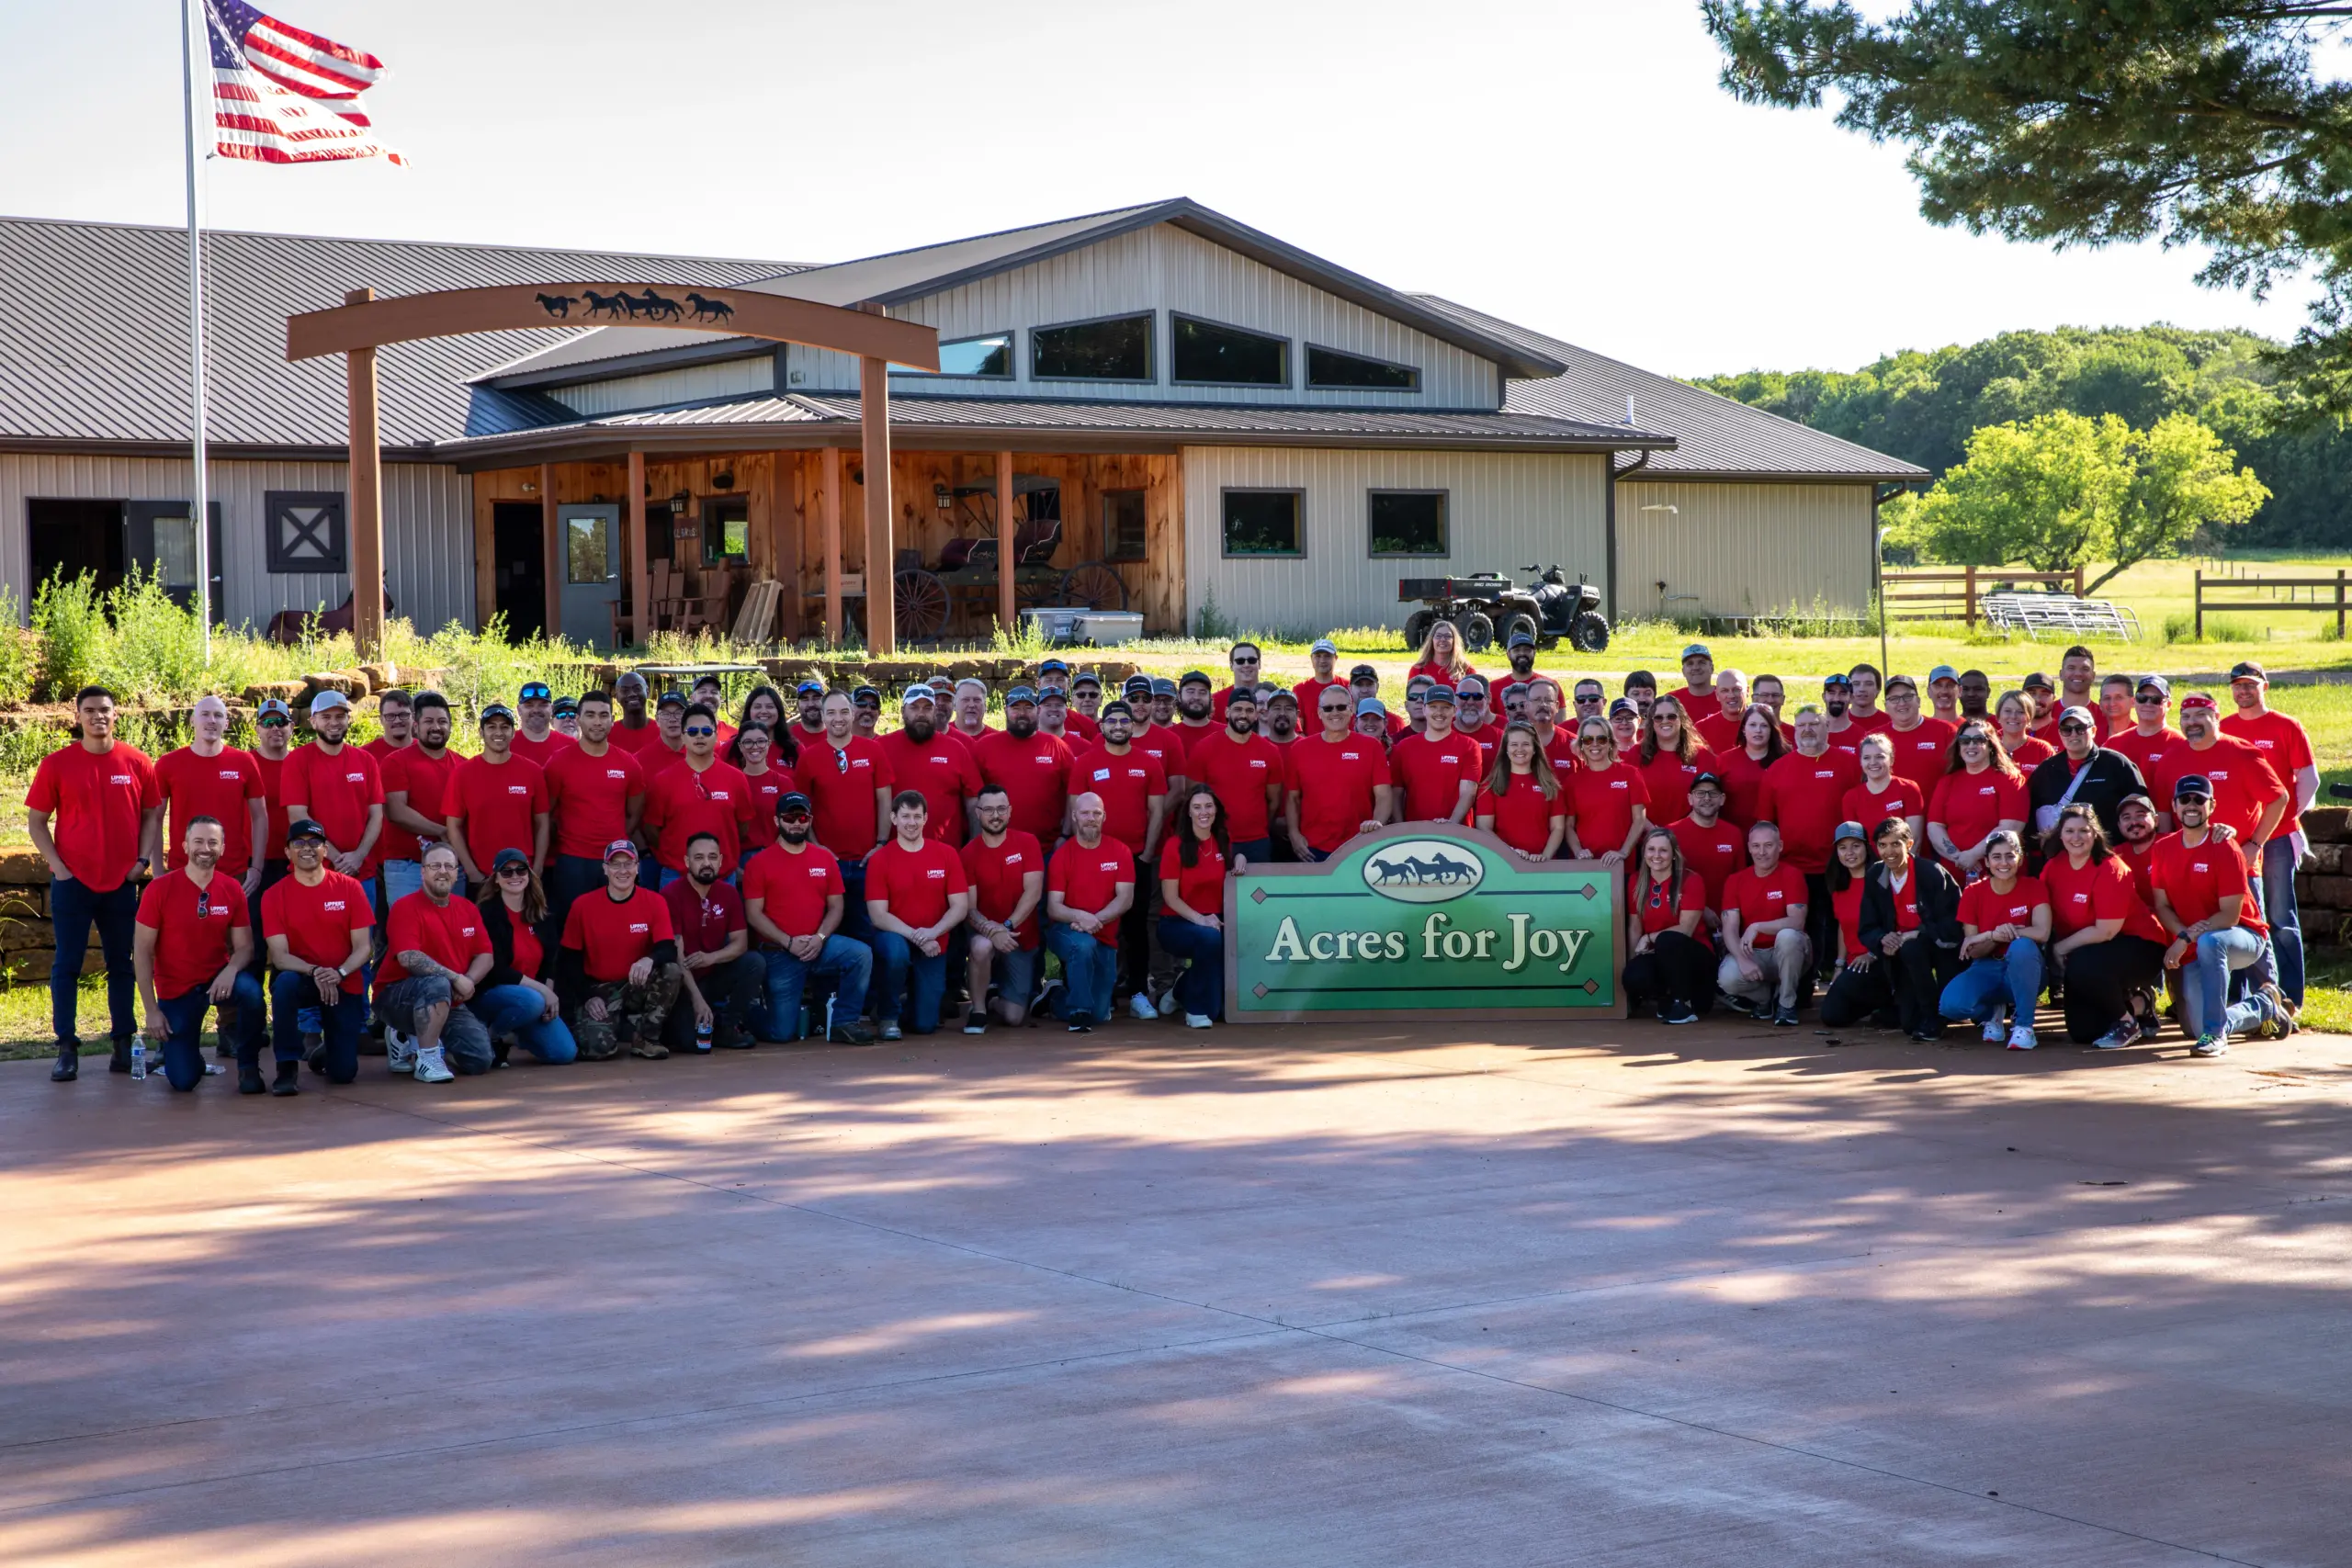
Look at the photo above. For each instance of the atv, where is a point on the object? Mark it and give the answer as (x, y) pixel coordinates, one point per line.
(1488, 608)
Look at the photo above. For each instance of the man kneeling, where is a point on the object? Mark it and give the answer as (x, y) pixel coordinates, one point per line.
(440, 953)
(721, 979)
(618, 971)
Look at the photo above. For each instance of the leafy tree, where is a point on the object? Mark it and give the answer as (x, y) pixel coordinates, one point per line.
(2064, 490)
(2073, 122)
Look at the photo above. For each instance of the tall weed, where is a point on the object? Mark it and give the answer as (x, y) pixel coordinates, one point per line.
(71, 626)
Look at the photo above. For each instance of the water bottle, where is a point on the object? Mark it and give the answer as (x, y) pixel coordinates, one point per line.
(137, 1057)
(702, 1034)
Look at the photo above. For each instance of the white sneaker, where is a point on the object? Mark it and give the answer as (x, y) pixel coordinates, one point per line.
(1168, 1002)
(891, 1030)
(399, 1051)
(1995, 1031)
(2021, 1038)
(431, 1067)
(1199, 1021)
(1139, 1007)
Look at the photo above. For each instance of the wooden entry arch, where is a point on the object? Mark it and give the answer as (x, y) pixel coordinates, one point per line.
(362, 324)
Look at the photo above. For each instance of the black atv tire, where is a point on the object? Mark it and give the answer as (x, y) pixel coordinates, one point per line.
(1416, 628)
(1514, 625)
(1589, 633)
(1477, 632)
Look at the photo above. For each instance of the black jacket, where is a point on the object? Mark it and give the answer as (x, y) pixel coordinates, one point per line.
(1939, 906)
(2113, 776)
(500, 925)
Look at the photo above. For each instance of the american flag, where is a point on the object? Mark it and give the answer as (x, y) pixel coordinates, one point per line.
(283, 96)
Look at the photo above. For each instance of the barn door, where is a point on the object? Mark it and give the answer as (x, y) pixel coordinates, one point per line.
(158, 538)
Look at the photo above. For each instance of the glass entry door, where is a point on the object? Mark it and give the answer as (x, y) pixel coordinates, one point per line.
(592, 571)
(159, 539)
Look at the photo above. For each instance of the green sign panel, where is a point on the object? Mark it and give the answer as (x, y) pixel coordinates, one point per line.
(1422, 916)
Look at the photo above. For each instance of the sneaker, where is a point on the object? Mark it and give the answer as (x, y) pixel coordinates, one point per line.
(1139, 1007)
(2210, 1045)
(249, 1081)
(1048, 991)
(2021, 1038)
(1995, 1031)
(2127, 1032)
(288, 1081)
(1784, 1018)
(314, 1052)
(1080, 1023)
(976, 1023)
(1659, 1011)
(1679, 1012)
(399, 1051)
(854, 1032)
(891, 1030)
(1168, 1003)
(1199, 1021)
(2278, 1013)
(1740, 1004)
(432, 1067)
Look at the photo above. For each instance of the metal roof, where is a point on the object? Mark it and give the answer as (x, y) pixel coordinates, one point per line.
(94, 345)
(1715, 437)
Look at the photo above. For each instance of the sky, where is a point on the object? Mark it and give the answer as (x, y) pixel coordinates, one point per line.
(1573, 166)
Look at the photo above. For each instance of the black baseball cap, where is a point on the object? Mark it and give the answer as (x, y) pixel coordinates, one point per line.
(2196, 784)
(1115, 708)
(793, 800)
(304, 828)
(1362, 672)
(535, 691)
(670, 697)
(1193, 677)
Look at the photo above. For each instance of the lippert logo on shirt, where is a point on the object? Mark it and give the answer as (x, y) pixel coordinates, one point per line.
(518, 789)
(638, 927)
(933, 873)
(125, 778)
(615, 774)
(337, 903)
(228, 775)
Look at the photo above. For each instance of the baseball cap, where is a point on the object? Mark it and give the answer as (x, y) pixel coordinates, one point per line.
(1086, 678)
(304, 828)
(1942, 672)
(1193, 676)
(1850, 831)
(496, 710)
(2193, 784)
(1371, 705)
(1519, 639)
(2163, 687)
(1906, 683)
(914, 695)
(867, 696)
(793, 800)
(1625, 704)
(1244, 694)
(1161, 686)
(508, 856)
(2198, 700)
(1115, 708)
(2036, 682)
(809, 689)
(1056, 694)
(2077, 714)
(618, 848)
(1714, 778)
(272, 708)
(1021, 694)
(1282, 694)
(669, 698)
(326, 700)
(1836, 680)
(1323, 645)
(1439, 694)
(1138, 684)
(1362, 672)
(1053, 664)
(2247, 670)
(566, 704)
(535, 691)
(1697, 650)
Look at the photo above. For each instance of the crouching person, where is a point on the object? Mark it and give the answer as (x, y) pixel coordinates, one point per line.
(915, 894)
(1767, 955)
(618, 967)
(1910, 916)
(794, 897)
(440, 956)
(191, 950)
(1090, 885)
(2003, 920)
(1193, 867)
(319, 925)
(517, 998)
(721, 981)
(1007, 871)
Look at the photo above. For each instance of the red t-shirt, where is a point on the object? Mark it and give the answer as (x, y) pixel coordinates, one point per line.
(1200, 885)
(680, 803)
(2100, 890)
(1906, 899)
(383, 751)
(2141, 859)
(1847, 905)
(192, 926)
(1658, 913)
(2244, 783)
(2197, 879)
(996, 876)
(272, 784)
(1432, 773)
(529, 957)
(1602, 803)
(1188, 740)
(1088, 879)
(1439, 673)
(222, 786)
(766, 788)
(2282, 741)
(622, 738)
(1900, 799)
(317, 923)
(1805, 796)
(500, 805)
(337, 792)
(1761, 898)
(611, 935)
(1721, 733)
(1308, 692)
(1034, 773)
(942, 769)
(1669, 781)
(791, 888)
(1239, 773)
(2028, 753)
(1971, 805)
(1162, 745)
(426, 780)
(1523, 817)
(840, 784)
(705, 921)
(1743, 778)
(915, 884)
(1127, 785)
(541, 752)
(1335, 780)
(1080, 730)
(451, 934)
(96, 801)
(1870, 723)
(1920, 754)
(1713, 852)
(1982, 907)
(590, 798)
(2147, 751)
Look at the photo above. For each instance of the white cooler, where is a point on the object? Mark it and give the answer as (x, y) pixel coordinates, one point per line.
(1108, 629)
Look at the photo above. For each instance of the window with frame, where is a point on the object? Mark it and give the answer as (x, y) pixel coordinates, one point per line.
(987, 358)
(1263, 522)
(725, 528)
(1332, 367)
(1209, 353)
(1408, 523)
(1117, 348)
(1124, 525)
(305, 531)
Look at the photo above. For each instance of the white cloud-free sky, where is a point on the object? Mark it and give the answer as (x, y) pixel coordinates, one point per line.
(1571, 165)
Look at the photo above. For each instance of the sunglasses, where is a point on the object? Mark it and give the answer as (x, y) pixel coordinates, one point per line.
(275, 722)
(2073, 729)
(2149, 702)
(1974, 740)
(507, 871)
(1245, 659)
(203, 903)
(794, 816)
(700, 729)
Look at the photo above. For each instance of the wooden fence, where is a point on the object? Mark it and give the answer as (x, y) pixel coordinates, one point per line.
(2320, 593)
(1959, 595)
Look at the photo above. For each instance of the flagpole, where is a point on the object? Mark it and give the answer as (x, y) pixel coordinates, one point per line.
(200, 514)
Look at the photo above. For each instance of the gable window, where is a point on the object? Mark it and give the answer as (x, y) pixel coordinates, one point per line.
(305, 530)
(990, 358)
(725, 528)
(1408, 523)
(1115, 349)
(1263, 522)
(1206, 352)
(1124, 534)
(1329, 368)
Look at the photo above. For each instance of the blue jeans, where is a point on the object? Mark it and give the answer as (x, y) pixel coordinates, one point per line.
(1200, 988)
(572, 877)
(1090, 973)
(856, 924)
(851, 965)
(184, 1018)
(2205, 982)
(290, 993)
(2278, 912)
(900, 963)
(72, 910)
(402, 877)
(1260, 851)
(516, 1009)
(1977, 992)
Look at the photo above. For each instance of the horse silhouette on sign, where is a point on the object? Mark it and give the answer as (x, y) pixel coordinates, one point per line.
(614, 305)
(1440, 870)
(655, 308)
(709, 309)
(559, 304)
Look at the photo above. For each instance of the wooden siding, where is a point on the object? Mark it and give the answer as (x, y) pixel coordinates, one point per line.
(427, 570)
(1742, 548)
(1504, 510)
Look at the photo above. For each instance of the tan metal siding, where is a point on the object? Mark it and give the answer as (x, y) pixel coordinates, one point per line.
(428, 528)
(658, 389)
(1742, 549)
(1504, 510)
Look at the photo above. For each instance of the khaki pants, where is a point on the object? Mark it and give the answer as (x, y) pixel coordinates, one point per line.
(1784, 966)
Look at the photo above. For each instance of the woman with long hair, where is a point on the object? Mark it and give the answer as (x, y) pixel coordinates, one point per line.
(1881, 794)
(1441, 657)
(1859, 989)
(2109, 946)
(517, 996)
(1980, 793)
(754, 753)
(1670, 958)
(1193, 865)
(1607, 802)
(1910, 922)
(2003, 920)
(2014, 714)
(765, 706)
(1671, 755)
(1522, 802)
(1761, 744)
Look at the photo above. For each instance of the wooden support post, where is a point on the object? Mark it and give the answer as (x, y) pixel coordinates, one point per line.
(640, 574)
(1005, 540)
(789, 541)
(2078, 582)
(2201, 606)
(1968, 595)
(2339, 604)
(366, 496)
(551, 546)
(881, 558)
(833, 545)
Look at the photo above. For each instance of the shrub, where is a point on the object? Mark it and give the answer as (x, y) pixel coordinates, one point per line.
(71, 626)
(1209, 623)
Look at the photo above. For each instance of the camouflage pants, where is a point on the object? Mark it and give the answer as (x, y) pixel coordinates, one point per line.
(632, 1013)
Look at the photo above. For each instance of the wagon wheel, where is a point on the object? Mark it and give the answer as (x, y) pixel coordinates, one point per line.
(1093, 586)
(1033, 589)
(919, 600)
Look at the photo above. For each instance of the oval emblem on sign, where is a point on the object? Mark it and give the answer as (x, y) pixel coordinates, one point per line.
(1424, 870)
